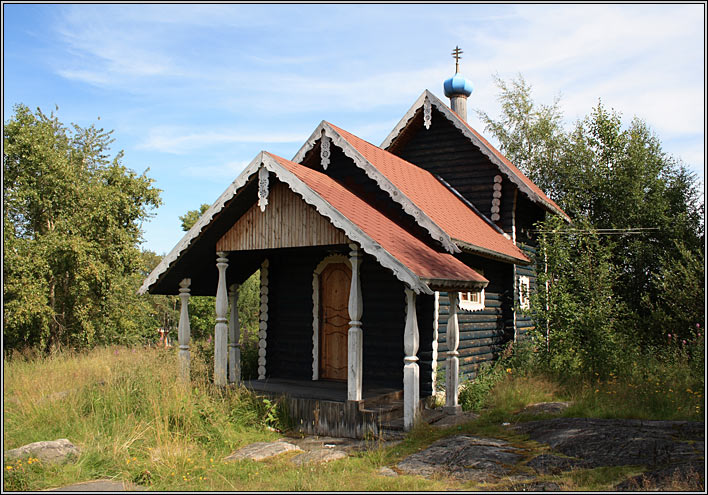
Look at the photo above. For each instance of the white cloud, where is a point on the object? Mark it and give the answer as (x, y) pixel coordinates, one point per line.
(216, 173)
(180, 141)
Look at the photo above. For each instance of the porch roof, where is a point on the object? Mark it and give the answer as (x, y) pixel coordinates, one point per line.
(410, 259)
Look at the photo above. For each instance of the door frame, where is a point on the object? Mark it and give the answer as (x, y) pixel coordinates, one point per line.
(334, 258)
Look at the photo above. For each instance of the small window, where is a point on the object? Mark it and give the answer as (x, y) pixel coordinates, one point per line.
(524, 292)
(472, 301)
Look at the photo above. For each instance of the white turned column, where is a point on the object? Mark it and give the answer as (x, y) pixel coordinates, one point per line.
(411, 386)
(234, 334)
(183, 329)
(452, 339)
(355, 338)
(436, 311)
(221, 327)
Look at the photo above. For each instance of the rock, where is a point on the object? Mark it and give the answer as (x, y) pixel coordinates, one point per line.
(319, 456)
(619, 442)
(100, 486)
(535, 486)
(262, 450)
(553, 464)
(386, 471)
(465, 457)
(455, 419)
(55, 451)
(682, 477)
(546, 408)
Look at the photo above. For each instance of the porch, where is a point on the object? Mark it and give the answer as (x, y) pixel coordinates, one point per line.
(322, 408)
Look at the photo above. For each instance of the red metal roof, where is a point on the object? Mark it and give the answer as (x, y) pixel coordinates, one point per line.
(435, 200)
(421, 259)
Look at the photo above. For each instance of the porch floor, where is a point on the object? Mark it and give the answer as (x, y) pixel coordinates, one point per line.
(314, 389)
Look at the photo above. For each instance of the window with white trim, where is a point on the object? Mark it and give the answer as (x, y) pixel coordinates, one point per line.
(524, 292)
(472, 301)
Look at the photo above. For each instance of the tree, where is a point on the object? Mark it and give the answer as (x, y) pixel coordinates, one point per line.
(617, 180)
(531, 136)
(71, 223)
(192, 216)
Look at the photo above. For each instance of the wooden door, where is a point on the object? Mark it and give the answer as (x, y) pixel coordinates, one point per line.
(335, 280)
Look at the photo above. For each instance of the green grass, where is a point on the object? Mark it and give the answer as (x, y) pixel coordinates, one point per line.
(134, 421)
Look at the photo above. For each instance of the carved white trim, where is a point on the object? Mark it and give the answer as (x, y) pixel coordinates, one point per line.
(263, 322)
(436, 232)
(436, 324)
(524, 292)
(335, 258)
(325, 152)
(470, 305)
(262, 188)
(484, 148)
(427, 113)
(234, 336)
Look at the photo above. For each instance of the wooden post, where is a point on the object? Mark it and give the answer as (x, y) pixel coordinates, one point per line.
(221, 327)
(453, 363)
(234, 334)
(411, 386)
(355, 337)
(183, 329)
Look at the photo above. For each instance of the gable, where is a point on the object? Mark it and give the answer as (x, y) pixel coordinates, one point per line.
(428, 102)
(286, 222)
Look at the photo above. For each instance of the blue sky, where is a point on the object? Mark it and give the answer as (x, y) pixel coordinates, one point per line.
(194, 92)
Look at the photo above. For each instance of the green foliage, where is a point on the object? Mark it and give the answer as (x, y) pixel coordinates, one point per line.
(191, 217)
(577, 313)
(71, 229)
(637, 227)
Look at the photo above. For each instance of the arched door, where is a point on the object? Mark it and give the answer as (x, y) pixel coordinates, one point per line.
(335, 280)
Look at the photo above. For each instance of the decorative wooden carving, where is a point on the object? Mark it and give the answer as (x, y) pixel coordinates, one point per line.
(355, 357)
(262, 188)
(234, 334)
(436, 324)
(335, 282)
(336, 258)
(452, 378)
(184, 329)
(496, 201)
(325, 153)
(427, 113)
(411, 386)
(263, 325)
(221, 327)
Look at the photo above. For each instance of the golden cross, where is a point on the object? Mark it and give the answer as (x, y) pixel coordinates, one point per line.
(457, 54)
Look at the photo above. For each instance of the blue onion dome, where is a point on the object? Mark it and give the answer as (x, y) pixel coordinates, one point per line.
(457, 85)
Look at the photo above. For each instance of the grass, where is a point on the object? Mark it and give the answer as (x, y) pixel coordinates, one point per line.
(135, 422)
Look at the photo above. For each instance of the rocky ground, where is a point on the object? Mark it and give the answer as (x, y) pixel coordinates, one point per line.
(666, 452)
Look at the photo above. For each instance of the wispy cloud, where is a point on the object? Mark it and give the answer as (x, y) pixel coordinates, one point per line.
(180, 141)
(222, 174)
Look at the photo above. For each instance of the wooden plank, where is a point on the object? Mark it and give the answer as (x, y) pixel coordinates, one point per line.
(287, 222)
